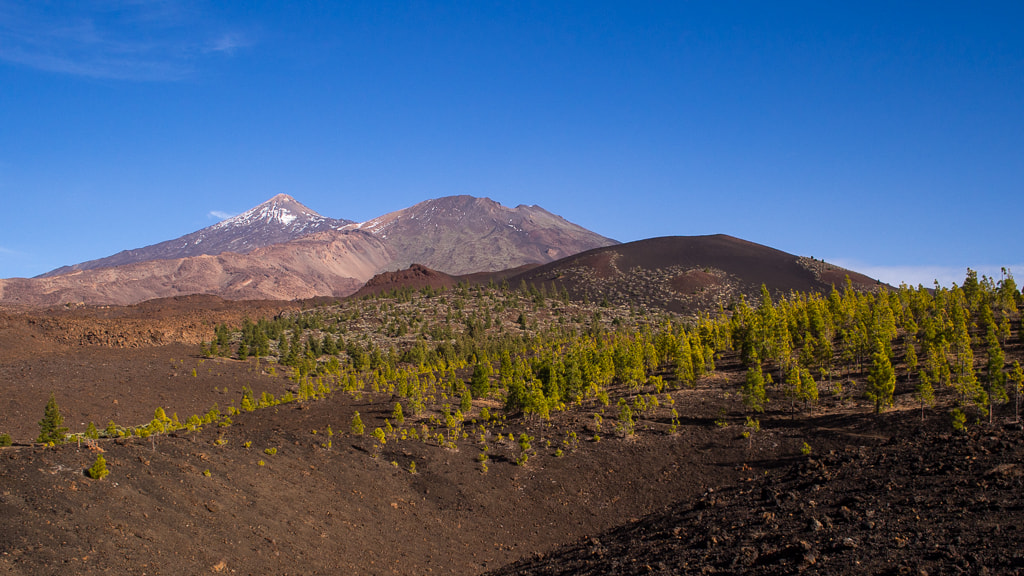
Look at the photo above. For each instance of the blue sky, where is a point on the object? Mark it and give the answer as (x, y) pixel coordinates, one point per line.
(888, 137)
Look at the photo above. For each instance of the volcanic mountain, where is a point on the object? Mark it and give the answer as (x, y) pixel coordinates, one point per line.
(317, 256)
(687, 273)
(280, 219)
(464, 234)
(677, 273)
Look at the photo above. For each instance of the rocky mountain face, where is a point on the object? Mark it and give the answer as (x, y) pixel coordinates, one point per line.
(280, 219)
(326, 264)
(282, 250)
(463, 234)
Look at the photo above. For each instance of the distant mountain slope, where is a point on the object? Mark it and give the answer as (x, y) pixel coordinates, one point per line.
(687, 273)
(313, 256)
(280, 219)
(464, 234)
(325, 264)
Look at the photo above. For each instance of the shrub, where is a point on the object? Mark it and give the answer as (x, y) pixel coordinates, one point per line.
(270, 451)
(99, 468)
(5, 440)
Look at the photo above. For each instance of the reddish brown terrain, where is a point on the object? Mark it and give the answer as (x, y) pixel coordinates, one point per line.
(281, 250)
(877, 494)
(292, 488)
(323, 264)
(415, 277)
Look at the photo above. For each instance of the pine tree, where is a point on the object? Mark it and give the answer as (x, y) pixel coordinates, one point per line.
(791, 386)
(1017, 376)
(996, 372)
(99, 468)
(357, 425)
(910, 356)
(808, 388)
(881, 380)
(924, 391)
(754, 395)
(50, 427)
(684, 362)
(479, 382)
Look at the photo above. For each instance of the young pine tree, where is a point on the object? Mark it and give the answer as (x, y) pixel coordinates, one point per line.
(924, 391)
(996, 373)
(1017, 377)
(357, 425)
(51, 426)
(754, 395)
(99, 468)
(881, 381)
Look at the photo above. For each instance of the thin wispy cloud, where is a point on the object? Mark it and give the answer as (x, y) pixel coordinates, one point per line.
(925, 275)
(229, 43)
(220, 215)
(121, 40)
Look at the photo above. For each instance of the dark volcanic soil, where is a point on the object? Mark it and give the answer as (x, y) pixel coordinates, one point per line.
(921, 502)
(310, 510)
(878, 494)
(687, 274)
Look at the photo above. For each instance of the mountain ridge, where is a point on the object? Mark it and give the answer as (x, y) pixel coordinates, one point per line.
(423, 234)
(321, 258)
(279, 219)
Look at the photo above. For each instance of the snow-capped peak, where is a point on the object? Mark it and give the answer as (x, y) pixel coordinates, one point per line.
(282, 210)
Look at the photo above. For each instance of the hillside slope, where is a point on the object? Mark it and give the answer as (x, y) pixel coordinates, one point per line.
(686, 273)
(326, 264)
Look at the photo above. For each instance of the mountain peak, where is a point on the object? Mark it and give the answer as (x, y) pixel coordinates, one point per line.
(279, 219)
(282, 210)
(435, 232)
